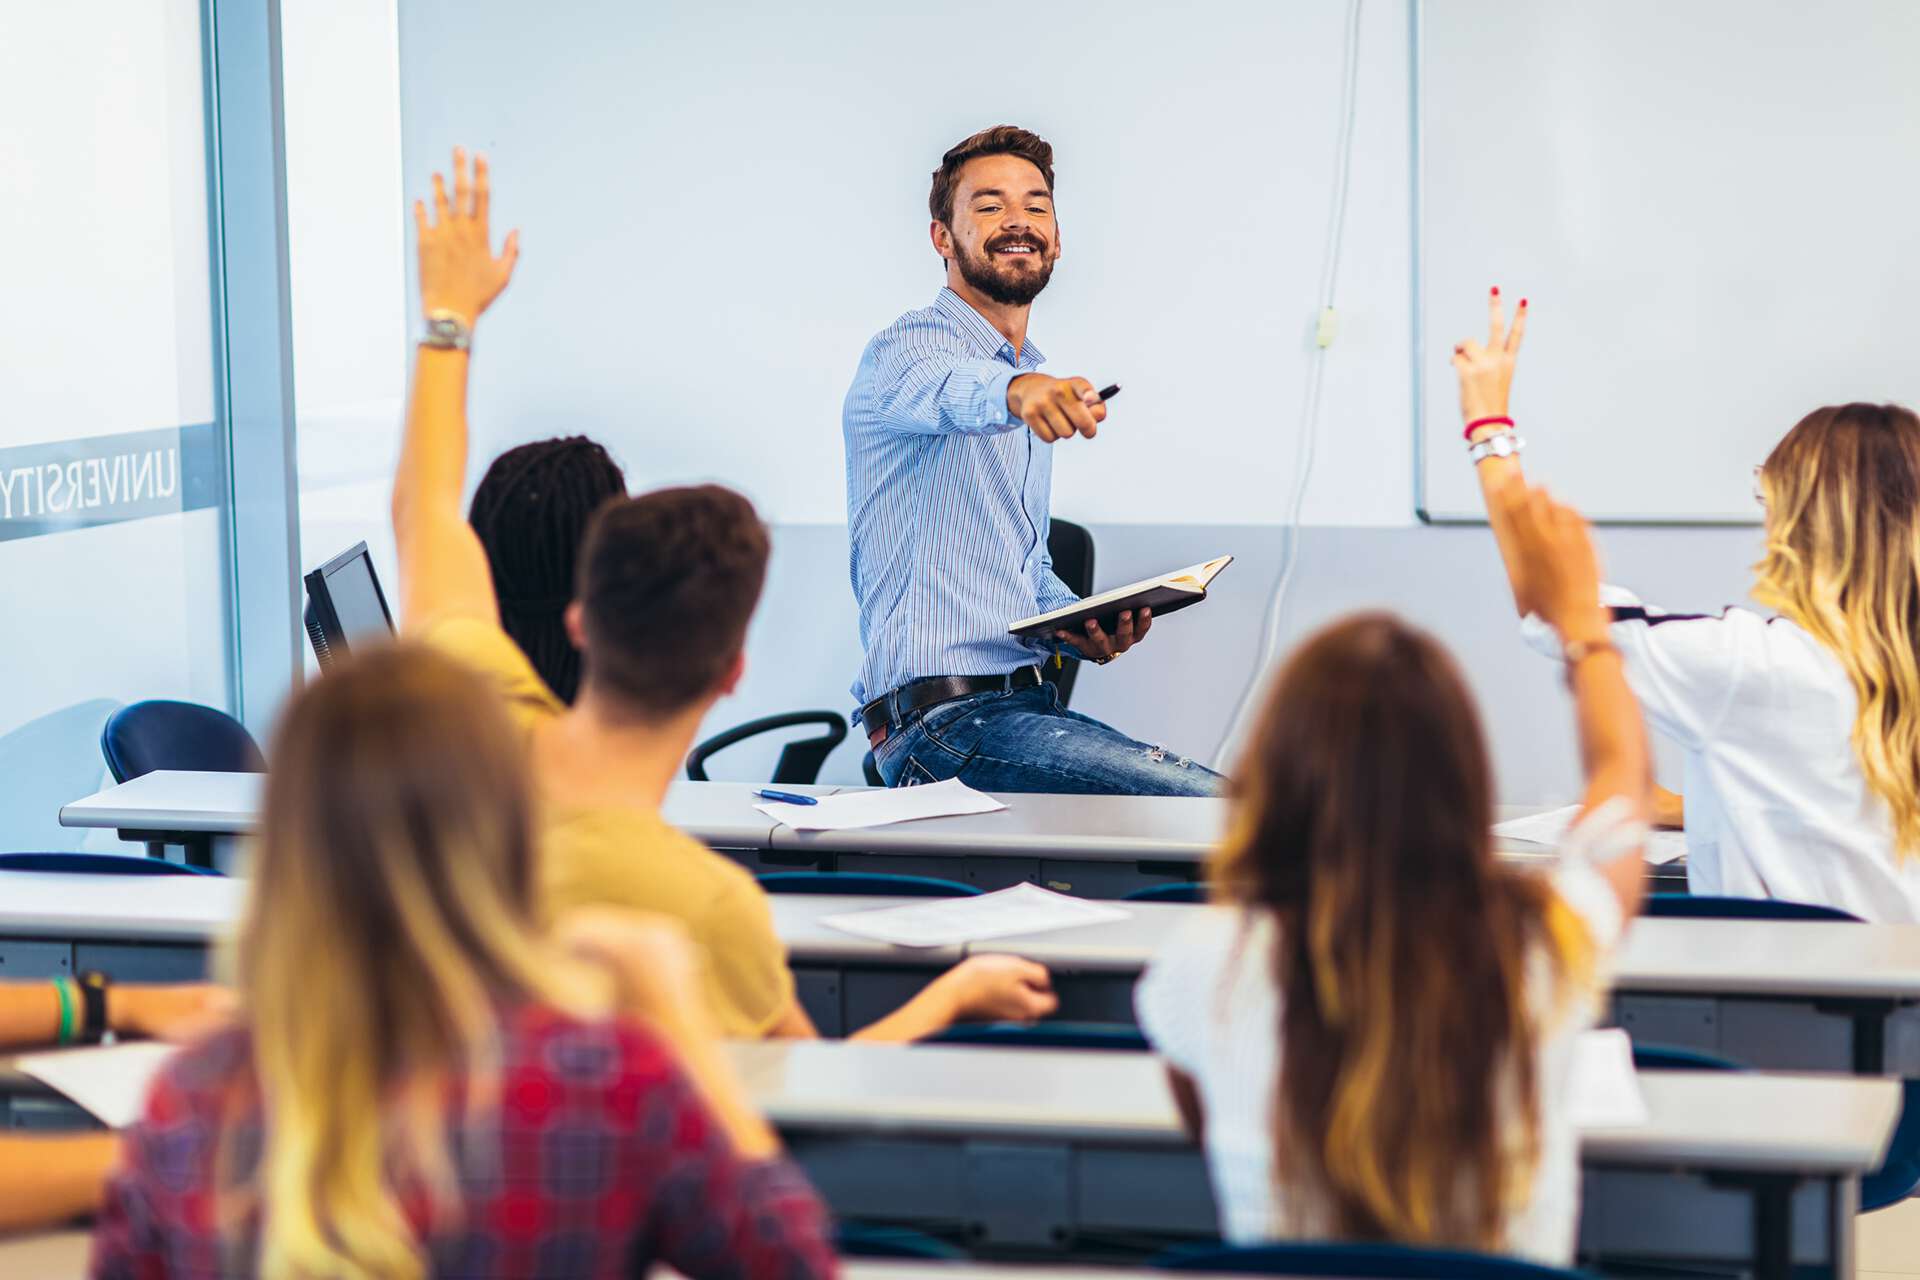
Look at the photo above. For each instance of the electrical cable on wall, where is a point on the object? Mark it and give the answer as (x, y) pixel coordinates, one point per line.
(1326, 325)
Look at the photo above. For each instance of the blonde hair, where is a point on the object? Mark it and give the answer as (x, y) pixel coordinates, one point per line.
(1843, 561)
(390, 919)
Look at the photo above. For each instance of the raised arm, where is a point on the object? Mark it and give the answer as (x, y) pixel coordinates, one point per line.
(1551, 553)
(443, 568)
(1486, 381)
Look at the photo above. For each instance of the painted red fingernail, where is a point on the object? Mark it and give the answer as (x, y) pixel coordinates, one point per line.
(1523, 302)
(1496, 291)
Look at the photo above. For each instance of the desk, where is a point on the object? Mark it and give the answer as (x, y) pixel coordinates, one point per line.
(1083, 1153)
(52, 1255)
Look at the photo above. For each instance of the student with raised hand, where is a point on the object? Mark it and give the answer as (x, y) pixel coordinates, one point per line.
(1802, 731)
(531, 512)
(54, 1178)
(667, 586)
(422, 1080)
(1379, 1047)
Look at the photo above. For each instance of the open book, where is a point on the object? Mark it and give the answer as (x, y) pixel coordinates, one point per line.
(1163, 595)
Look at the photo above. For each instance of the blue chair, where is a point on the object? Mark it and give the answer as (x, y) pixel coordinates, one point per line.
(1111, 1037)
(874, 1240)
(1191, 891)
(1667, 1057)
(1694, 907)
(1374, 1261)
(158, 734)
(99, 864)
(874, 885)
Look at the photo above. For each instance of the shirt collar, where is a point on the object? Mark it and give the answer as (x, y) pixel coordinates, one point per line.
(984, 335)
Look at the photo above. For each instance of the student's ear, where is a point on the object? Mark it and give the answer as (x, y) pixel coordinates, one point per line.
(735, 674)
(576, 619)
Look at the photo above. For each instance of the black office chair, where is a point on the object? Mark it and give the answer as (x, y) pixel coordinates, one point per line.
(1071, 547)
(159, 734)
(799, 762)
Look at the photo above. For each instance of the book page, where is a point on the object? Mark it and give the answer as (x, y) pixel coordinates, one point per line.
(1550, 828)
(109, 1081)
(1604, 1092)
(946, 922)
(877, 808)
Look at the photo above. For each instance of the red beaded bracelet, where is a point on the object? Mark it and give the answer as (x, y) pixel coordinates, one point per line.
(1478, 423)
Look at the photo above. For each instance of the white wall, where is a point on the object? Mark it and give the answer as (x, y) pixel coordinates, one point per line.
(720, 204)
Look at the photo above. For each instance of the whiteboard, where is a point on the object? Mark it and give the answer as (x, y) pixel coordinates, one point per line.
(1715, 210)
(722, 203)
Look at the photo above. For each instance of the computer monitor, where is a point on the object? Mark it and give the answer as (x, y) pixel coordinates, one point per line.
(345, 606)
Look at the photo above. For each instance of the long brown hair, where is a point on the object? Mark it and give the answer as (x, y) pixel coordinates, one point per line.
(390, 918)
(1843, 561)
(1364, 803)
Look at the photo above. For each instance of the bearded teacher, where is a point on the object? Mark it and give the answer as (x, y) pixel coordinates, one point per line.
(950, 433)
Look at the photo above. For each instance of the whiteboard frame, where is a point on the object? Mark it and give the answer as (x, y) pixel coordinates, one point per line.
(1416, 70)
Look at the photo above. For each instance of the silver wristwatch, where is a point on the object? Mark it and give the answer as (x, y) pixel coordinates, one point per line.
(447, 331)
(1503, 444)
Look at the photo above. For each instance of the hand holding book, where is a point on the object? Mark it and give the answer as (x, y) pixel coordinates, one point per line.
(1104, 626)
(1096, 646)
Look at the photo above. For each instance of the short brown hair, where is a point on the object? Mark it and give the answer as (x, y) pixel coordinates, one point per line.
(668, 583)
(1001, 140)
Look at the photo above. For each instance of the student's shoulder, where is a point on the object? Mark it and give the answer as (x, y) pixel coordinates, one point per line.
(205, 1077)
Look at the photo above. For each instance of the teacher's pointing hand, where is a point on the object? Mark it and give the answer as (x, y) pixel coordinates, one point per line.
(1056, 408)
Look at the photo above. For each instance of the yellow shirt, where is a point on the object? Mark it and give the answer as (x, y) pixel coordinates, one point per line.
(633, 858)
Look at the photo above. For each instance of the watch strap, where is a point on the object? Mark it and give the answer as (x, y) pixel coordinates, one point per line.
(1502, 444)
(93, 1005)
(447, 331)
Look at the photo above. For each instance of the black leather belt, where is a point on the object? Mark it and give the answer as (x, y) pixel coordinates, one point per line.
(880, 715)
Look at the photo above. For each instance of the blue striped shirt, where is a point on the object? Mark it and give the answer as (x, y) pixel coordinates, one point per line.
(947, 498)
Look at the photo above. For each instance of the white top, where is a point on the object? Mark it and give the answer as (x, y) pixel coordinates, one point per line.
(1209, 1006)
(1777, 806)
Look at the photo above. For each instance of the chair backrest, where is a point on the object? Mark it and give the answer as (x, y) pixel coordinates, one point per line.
(1373, 1261)
(1112, 1037)
(870, 885)
(158, 734)
(1669, 1057)
(799, 761)
(99, 864)
(1695, 907)
(1177, 891)
(1071, 547)
(1899, 1174)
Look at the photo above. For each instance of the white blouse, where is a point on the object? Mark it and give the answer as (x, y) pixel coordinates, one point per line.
(1777, 806)
(1209, 1006)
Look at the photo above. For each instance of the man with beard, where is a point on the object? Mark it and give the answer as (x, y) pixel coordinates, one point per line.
(948, 478)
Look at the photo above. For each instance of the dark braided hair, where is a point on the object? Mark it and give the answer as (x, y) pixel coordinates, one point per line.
(531, 512)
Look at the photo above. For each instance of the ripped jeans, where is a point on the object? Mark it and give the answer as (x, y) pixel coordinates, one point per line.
(1024, 740)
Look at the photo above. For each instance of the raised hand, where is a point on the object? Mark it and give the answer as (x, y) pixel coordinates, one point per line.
(1056, 408)
(1486, 369)
(1554, 562)
(458, 270)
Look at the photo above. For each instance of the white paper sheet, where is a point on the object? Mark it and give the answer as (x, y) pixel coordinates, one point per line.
(109, 1081)
(1604, 1092)
(877, 808)
(1550, 828)
(946, 922)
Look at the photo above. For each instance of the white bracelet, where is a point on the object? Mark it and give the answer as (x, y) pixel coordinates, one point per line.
(1501, 444)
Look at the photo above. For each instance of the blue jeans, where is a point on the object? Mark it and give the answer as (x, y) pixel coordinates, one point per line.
(1024, 740)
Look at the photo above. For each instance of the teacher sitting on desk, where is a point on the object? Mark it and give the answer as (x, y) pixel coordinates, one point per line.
(948, 477)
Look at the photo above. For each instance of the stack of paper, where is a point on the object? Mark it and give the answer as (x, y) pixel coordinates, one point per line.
(1550, 828)
(1604, 1092)
(109, 1082)
(946, 922)
(877, 808)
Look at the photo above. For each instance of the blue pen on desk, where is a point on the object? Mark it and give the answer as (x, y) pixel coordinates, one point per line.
(785, 797)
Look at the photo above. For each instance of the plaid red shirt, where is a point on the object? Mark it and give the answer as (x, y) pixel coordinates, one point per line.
(598, 1161)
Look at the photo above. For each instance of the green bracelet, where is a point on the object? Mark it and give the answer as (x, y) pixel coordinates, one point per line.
(61, 987)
